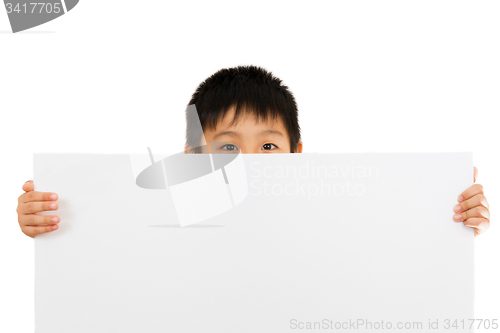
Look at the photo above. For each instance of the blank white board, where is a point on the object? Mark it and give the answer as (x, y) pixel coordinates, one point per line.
(319, 241)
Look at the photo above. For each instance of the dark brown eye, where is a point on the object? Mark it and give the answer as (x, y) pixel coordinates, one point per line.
(230, 147)
(268, 146)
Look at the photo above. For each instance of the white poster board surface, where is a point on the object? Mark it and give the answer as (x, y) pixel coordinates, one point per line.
(321, 242)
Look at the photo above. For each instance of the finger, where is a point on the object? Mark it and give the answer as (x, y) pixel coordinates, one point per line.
(36, 207)
(480, 224)
(38, 196)
(477, 200)
(475, 174)
(478, 211)
(470, 192)
(32, 231)
(34, 219)
(28, 186)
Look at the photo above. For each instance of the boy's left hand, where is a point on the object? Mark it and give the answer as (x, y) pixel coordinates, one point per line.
(473, 209)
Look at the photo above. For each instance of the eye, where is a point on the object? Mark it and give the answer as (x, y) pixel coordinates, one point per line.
(269, 146)
(230, 147)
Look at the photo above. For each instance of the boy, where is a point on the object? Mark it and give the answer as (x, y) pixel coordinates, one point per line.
(242, 109)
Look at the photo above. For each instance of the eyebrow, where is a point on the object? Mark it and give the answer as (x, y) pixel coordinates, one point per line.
(272, 132)
(229, 133)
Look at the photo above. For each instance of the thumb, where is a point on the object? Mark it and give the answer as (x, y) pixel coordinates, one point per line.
(475, 174)
(28, 186)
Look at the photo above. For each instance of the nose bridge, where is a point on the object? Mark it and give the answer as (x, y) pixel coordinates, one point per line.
(248, 149)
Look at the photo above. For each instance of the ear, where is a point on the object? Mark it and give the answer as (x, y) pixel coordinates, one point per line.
(299, 147)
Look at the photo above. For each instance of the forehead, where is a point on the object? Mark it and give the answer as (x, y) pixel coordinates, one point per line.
(247, 120)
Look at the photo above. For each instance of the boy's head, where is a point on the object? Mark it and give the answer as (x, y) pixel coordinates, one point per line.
(244, 109)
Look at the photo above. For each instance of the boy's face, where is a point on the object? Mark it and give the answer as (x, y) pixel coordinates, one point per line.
(248, 136)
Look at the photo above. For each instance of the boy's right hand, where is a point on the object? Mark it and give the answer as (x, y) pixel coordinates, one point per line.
(33, 202)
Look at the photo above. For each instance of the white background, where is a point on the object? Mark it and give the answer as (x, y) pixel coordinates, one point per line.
(368, 76)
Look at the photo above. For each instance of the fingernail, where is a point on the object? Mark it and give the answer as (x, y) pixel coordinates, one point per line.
(53, 197)
(485, 203)
(54, 227)
(53, 206)
(54, 219)
(460, 198)
(457, 208)
(29, 181)
(485, 214)
(457, 216)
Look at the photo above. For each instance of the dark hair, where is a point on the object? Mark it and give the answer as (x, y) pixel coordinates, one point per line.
(250, 89)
